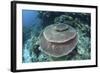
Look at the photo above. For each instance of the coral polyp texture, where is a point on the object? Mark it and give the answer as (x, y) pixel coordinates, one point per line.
(55, 36)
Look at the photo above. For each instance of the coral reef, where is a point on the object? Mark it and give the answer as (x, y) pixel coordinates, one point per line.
(79, 21)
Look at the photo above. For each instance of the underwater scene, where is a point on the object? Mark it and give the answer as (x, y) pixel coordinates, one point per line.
(55, 36)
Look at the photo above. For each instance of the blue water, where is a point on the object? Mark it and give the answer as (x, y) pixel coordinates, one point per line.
(31, 22)
(30, 18)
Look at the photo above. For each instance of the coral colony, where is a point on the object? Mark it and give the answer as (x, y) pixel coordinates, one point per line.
(58, 40)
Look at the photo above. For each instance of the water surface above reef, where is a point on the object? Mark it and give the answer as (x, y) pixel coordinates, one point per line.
(34, 23)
